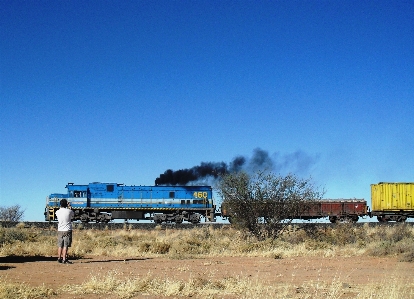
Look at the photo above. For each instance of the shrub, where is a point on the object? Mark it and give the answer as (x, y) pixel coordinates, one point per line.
(407, 256)
(160, 248)
(12, 214)
(11, 235)
(265, 204)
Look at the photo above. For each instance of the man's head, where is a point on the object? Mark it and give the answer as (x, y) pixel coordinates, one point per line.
(64, 203)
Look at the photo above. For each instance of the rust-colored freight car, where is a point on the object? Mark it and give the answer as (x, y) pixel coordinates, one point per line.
(337, 210)
(392, 201)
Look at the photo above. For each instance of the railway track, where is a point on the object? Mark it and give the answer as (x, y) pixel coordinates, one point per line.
(150, 226)
(110, 225)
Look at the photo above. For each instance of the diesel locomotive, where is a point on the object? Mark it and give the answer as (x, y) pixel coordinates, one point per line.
(103, 202)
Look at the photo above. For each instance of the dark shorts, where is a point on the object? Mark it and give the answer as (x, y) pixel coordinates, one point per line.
(64, 239)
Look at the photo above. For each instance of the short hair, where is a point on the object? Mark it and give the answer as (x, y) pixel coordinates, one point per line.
(64, 203)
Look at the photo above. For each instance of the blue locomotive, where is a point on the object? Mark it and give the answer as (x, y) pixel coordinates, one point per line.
(103, 202)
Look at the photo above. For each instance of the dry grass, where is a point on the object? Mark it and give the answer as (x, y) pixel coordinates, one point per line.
(114, 285)
(127, 288)
(341, 240)
(23, 291)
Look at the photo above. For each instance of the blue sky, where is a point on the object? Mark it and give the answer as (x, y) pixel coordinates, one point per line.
(120, 91)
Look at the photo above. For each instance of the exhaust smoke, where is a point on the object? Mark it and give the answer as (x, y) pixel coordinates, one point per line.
(297, 162)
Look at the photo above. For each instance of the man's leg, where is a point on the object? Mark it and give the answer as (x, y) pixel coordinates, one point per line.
(64, 252)
(65, 256)
(60, 249)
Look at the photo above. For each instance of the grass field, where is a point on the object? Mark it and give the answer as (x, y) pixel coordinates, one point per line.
(343, 240)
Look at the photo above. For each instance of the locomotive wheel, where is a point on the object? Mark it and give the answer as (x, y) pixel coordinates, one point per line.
(194, 218)
(84, 218)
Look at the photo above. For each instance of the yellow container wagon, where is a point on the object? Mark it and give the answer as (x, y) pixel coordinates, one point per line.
(392, 201)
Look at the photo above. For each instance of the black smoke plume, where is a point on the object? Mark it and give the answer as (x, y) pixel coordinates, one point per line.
(184, 176)
(298, 161)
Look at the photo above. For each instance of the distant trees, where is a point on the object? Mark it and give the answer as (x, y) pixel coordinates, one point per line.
(12, 214)
(265, 204)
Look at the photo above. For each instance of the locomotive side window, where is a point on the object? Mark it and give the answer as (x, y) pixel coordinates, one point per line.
(172, 194)
(109, 188)
(77, 193)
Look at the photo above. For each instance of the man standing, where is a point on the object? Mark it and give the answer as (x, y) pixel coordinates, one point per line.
(65, 217)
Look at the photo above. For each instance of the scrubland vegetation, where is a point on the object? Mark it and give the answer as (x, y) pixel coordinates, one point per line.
(340, 240)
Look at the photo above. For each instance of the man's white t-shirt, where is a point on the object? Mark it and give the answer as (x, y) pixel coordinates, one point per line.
(65, 219)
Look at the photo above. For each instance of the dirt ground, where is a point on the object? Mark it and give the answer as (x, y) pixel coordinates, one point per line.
(351, 272)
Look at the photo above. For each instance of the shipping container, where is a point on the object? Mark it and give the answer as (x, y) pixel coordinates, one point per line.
(392, 201)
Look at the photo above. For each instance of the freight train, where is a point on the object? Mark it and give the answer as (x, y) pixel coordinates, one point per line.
(103, 202)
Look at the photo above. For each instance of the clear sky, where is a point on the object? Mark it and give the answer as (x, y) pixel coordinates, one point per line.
(121, 91)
